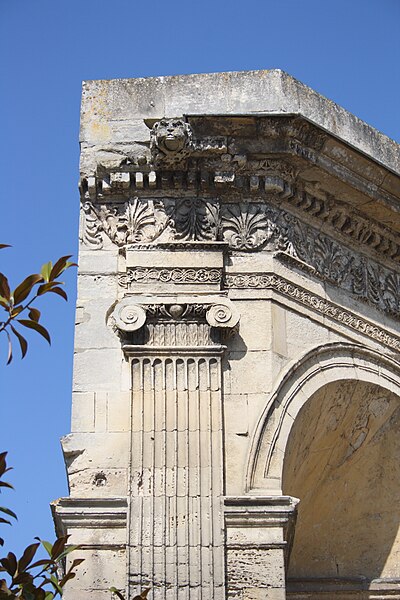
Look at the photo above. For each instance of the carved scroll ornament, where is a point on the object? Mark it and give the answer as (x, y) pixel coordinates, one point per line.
(130, 314)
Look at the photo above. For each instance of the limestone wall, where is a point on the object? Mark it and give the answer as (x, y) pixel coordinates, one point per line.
(238, 286)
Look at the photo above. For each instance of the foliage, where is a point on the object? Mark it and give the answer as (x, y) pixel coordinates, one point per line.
(25, 578)
(141, 596)
(20, 300)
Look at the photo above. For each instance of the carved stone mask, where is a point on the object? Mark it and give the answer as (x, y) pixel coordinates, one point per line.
(170, 137)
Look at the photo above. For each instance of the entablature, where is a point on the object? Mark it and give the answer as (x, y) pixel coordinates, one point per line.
(255, 184)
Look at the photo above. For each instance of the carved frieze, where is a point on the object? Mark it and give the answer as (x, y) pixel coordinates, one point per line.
(169, 275)
(349, 223)
(313, 302)
(193, 219)
(245, 227)
(122, 224)
(271, 181)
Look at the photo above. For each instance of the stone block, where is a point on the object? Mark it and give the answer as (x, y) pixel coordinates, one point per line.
(119, 411)
(98, 262)
(97, 369)
(83, 408)
(101, 570)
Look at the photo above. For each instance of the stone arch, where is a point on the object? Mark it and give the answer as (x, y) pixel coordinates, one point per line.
(303, 378)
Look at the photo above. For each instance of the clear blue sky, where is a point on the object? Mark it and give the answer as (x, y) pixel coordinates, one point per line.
(348, 50)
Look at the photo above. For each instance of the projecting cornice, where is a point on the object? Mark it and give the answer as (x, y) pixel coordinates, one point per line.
(111, 110)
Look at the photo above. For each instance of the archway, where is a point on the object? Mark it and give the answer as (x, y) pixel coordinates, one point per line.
(302, 379)
(365, 385)
(342, 462)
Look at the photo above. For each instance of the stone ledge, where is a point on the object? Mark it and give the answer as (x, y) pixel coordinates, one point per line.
(269, 92)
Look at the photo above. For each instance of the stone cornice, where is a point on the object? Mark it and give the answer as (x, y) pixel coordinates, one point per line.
(89, 513)
(256, 93)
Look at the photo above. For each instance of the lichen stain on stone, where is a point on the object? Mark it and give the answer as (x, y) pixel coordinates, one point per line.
(100, 131)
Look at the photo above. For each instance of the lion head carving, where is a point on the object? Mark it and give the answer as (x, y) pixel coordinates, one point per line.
(171, 140)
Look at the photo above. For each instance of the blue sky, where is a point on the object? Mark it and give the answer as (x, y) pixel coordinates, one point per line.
(347, 50)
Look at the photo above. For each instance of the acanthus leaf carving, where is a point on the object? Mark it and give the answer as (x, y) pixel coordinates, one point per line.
(391, 292)
(194, 219)
(330, 260)
(131, 222)
(246, 226)
(90, 226)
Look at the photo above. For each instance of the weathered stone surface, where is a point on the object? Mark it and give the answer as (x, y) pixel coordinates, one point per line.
(237, 344)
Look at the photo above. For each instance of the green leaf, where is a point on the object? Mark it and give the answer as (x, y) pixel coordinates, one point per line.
(58, 546)
(3, 587)
(40, 563)
(47, 546)
(6, 521)
(34, 314)
(4, 302)
(37, 327)
(59, 291)
(40, 594)
(22, 341)
(4, 287)
(9, 563)
(56, 584)
(45, 287)
(46, 270)
(8, 511)
(6, 485)
(15, 311)
(4, 246)
(70, 574)
(76, 562)
(27, 556)
(60, 266)
(117, 593)
(25, 288)
(3, 463)
(67, 551)
(10, 354)
(24, 578)
(28, 592)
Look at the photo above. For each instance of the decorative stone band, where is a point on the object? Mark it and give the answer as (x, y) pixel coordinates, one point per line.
(314, 302)
(174, 275)
(132, 221)
(130, 314)
(246, 227)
